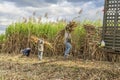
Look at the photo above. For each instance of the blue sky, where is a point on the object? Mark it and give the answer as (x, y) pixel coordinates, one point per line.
(15, 10)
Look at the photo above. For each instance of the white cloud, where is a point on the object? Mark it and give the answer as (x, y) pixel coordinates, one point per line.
(10, 8)
(61, 10)
(5, 21)
(90, 11)
(11, 13)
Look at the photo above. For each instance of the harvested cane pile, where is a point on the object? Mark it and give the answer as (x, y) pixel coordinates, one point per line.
(90, 42)
(35, 39)
(91, 49)
(59, 39)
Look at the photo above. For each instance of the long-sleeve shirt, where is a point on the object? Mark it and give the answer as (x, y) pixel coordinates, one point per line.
(40, 45)
(67, 36)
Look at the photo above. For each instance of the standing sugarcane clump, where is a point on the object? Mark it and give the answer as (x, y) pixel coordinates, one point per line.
(91, 42)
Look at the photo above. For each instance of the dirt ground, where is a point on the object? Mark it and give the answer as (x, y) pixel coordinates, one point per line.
(15, 67)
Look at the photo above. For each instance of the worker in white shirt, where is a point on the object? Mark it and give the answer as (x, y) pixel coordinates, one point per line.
(40, 48)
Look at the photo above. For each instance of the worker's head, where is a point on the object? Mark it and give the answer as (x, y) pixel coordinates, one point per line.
(28, 48)
(66, 28)
(41, 41)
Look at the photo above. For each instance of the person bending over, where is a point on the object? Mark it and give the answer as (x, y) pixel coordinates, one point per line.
(26, 51)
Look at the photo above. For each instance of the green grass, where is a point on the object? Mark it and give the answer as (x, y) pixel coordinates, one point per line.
(39, 29)
(2, 38)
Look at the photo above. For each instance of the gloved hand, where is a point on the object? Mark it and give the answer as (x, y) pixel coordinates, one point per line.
(102, 44)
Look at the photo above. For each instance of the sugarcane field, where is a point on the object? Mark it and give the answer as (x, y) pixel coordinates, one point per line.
(60, 40)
